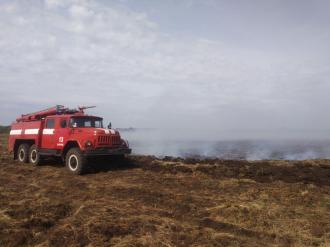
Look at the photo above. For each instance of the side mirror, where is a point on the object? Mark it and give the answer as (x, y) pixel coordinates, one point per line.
(109, 125)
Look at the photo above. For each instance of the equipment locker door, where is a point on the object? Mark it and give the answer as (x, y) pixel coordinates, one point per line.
(61, 133)
(48, 134)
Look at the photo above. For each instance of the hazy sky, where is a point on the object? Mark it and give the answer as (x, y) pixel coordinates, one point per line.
(205, 65)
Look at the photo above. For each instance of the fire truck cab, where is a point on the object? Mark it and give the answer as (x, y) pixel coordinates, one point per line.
(67, 133)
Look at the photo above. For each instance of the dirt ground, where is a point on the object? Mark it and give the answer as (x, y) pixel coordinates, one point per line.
(166, 202)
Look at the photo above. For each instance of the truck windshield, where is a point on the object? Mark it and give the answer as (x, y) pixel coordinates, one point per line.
(86, 122)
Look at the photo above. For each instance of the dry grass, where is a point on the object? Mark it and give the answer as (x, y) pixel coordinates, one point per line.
(169, 202)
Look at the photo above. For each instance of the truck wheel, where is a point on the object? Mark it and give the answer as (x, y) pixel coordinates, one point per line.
(34, 156)
(75, 161)
(23, 153)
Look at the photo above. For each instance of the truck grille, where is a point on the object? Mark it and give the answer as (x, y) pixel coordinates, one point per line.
(109, 140)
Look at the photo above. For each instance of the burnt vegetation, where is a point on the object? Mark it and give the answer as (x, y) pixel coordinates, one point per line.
(4, 129)
(146, 201)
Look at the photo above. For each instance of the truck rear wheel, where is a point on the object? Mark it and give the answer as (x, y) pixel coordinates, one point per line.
(75, 161)
(34, 156)
(23, 153)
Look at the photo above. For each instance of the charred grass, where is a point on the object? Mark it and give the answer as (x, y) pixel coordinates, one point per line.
(147, 201)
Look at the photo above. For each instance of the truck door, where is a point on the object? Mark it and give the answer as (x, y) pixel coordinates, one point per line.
(61, 133)
(48, 134)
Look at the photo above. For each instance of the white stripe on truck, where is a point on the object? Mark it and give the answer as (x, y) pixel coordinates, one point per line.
(48, 131)
(31, 131)
(15, 132)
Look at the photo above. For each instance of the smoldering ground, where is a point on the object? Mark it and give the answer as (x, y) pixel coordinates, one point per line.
(165, 202)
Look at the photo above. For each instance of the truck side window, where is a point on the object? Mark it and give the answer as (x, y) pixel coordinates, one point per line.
(63, 123)
(50, 123)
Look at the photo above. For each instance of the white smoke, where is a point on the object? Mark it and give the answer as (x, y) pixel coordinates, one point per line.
(155, 142)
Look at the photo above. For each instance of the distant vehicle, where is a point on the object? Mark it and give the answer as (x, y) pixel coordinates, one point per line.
(67, 133)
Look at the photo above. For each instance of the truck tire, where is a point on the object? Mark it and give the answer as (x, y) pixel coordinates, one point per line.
(23, 153)
(75, 161)
(34, 156)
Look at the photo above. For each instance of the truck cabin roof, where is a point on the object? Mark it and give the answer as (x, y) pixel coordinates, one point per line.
(74, 115)
(78, 115)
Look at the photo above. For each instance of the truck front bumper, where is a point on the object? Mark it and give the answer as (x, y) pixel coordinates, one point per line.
(107, 151)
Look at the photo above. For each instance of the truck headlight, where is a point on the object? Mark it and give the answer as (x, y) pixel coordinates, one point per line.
(124, 143)
(88, 144)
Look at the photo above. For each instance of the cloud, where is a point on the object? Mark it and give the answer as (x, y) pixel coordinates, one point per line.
(105, 53)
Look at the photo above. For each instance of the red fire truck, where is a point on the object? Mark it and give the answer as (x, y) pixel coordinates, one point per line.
(67, 133)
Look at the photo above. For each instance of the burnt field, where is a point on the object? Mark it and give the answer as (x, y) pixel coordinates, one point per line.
(147, 201)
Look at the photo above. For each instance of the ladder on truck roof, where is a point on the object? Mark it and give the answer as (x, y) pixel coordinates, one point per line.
(56, 110)
(40, 114)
